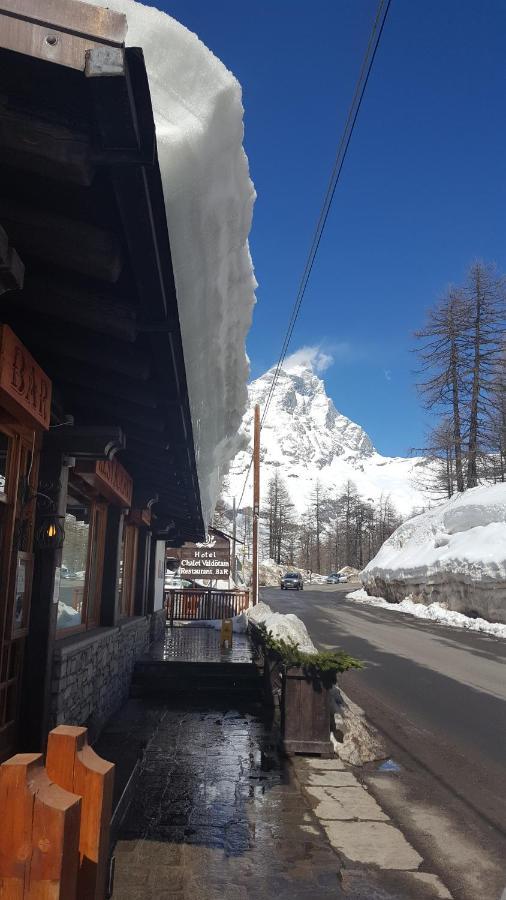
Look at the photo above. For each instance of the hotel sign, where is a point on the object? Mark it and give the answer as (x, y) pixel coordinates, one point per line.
(205, 561)
(25, 389)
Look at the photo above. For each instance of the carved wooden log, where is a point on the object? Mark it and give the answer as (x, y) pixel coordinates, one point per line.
(39, 838)
(72, 763)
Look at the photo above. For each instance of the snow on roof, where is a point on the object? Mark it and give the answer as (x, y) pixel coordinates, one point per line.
(209, 200)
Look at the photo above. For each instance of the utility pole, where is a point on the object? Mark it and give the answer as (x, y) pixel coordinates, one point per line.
(256, 503)
(234, 537)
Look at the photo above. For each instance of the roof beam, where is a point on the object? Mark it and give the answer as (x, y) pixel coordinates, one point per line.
(69, 243)
(96, 310)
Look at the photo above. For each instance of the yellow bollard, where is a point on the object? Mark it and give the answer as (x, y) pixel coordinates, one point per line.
(226, 634)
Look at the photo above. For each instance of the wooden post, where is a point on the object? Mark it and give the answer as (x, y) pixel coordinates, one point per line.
(39, 837)
(34, 719)
(256, 503)
(73, 764)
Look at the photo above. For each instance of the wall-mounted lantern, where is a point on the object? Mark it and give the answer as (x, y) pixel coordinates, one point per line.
(50, 533)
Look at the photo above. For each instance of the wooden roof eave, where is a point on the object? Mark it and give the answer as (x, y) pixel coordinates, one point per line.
(124, 147)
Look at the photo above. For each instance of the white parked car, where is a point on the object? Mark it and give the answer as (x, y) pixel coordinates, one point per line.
(336, 578)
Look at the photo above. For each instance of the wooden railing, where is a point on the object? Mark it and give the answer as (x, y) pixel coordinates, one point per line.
(191, 605)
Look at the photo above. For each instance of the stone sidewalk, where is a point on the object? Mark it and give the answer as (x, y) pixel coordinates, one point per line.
(217, 814)
(359, 830)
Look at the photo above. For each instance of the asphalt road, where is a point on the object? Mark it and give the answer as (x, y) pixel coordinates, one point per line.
(438, 694)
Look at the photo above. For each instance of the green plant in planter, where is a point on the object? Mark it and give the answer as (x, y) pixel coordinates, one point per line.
(323, 667)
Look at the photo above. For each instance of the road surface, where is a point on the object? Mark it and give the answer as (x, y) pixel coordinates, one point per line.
(438, 694)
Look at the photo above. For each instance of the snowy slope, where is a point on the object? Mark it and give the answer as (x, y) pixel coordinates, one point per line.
(308, 439)
(454, 555)
(209, 200)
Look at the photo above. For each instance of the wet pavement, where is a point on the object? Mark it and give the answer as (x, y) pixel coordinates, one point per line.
(193, 643)
(216, 814)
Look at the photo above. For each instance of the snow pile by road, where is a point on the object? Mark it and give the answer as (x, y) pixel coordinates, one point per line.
(209, 200)
(288, 627)
(270, 573)
(453, 555)
(351, 573)
(434, 612)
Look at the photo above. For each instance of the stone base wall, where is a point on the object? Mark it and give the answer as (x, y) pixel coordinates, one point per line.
(92, 673)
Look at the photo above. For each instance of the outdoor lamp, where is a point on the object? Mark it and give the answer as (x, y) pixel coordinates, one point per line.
(50, 533)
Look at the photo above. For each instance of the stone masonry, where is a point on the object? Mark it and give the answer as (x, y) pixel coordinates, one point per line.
(92, 672)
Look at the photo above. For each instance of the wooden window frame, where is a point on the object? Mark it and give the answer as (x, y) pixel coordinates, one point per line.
(91, 618)
(129, 575)
(97, 534)
(27, 559)
(9, 468)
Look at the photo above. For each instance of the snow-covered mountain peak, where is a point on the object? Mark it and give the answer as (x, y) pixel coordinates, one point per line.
(302, 416)
(305, 438)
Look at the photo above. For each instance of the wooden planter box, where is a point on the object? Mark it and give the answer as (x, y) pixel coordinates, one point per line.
(305, 715)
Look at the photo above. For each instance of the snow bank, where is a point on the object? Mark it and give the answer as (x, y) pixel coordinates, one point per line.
(434, 612)
(288, 627)
(355, 740)
(270, 573)
(453, 555)
(67, 615)
(209, 201)
(351, 573)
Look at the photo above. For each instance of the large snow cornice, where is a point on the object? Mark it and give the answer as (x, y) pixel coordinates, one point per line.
(209, 200)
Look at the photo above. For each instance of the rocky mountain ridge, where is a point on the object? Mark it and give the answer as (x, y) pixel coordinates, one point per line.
(307, 438)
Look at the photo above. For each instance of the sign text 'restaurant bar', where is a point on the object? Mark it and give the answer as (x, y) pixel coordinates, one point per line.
(207, 560)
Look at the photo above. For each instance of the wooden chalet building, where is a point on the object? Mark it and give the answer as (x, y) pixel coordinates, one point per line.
(97, 463)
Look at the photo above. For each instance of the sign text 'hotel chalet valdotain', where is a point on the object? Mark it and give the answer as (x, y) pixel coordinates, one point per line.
(209, 559)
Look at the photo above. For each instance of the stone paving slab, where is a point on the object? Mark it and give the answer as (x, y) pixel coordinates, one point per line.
(358, 829)
(332, 779)
(346, 803)
(376, 843)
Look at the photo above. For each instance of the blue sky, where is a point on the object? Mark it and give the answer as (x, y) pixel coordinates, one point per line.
(421, 195)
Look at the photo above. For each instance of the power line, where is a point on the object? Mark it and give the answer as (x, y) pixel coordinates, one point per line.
(358, 94)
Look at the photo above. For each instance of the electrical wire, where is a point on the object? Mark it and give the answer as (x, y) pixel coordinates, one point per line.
(358, 94)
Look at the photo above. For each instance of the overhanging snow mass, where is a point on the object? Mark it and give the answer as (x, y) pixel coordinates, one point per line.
(209, 200)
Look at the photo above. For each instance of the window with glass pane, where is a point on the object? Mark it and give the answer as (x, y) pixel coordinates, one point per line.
(127, 570)
(71, 610)
(95, 563)
(4, 458)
